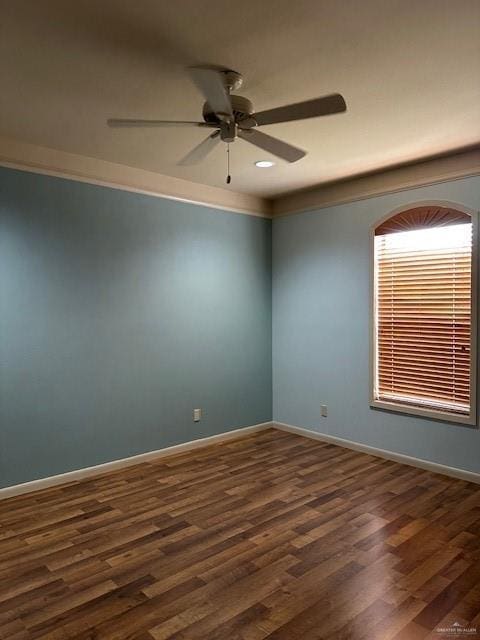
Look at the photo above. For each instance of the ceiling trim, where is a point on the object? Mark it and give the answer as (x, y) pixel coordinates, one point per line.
(28, 157)
(47, 161)
(443, 169)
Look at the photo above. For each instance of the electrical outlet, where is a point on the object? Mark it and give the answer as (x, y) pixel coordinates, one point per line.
(197, 415)
(324, 410)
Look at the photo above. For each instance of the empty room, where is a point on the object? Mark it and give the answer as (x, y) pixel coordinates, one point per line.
(238, 320)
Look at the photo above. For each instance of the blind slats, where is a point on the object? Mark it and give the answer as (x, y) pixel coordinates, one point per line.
(423, 318)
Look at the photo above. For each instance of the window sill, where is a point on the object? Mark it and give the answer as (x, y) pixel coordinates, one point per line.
(433, 414)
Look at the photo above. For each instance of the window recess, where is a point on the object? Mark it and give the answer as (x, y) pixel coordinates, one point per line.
(424, 314)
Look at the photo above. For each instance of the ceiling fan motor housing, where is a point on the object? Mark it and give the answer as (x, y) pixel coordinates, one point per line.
(242, 108)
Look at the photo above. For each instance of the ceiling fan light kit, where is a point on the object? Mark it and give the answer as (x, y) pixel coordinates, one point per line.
(233, 116)
(264, 164)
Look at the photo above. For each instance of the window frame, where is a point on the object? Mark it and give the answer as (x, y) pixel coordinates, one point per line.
(435, 414)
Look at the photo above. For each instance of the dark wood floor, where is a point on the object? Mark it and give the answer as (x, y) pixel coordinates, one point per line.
(269, 536)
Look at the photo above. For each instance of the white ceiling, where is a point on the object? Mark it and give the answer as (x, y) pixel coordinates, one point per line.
(409, 70)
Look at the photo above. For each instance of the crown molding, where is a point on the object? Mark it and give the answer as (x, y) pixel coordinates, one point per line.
(47, 161)
(443, 169)
(29, 157)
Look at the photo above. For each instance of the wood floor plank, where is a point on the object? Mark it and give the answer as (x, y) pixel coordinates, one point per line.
(271, 535)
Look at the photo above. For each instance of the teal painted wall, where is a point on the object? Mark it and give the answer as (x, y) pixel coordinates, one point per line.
(321, 329)
(120, 313)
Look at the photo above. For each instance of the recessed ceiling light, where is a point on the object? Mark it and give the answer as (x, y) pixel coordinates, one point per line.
(264, 164)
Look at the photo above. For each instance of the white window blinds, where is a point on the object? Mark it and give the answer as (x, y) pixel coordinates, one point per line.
(423, 316)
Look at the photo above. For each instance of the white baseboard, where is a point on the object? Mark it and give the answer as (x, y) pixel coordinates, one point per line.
(435, 467)
(79, 474)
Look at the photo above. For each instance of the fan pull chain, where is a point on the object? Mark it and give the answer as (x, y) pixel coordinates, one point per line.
(229, 177)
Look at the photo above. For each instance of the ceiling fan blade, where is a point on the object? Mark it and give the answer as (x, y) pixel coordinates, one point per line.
(130, 122)
(211, 83)
(273, 145)
(334, 103)
(198, 153)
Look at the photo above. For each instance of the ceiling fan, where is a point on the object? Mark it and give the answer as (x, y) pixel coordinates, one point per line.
(233, 117)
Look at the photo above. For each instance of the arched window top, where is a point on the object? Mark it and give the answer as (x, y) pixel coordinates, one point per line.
(421, 218)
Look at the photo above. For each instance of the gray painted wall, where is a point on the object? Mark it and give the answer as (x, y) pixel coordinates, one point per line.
(120, 313)
(321, 330)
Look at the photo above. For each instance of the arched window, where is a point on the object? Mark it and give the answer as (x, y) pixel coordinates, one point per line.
(424, 313)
